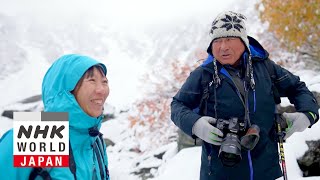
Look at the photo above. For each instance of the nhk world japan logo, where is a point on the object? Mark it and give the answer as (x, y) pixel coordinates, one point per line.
(41, 139)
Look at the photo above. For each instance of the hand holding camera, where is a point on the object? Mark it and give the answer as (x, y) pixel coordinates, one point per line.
(230, 134)
(204, 129)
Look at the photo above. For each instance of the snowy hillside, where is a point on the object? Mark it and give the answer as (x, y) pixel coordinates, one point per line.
(126, 45)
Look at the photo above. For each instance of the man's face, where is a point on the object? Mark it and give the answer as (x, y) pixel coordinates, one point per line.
(92, 93)
(228, 50)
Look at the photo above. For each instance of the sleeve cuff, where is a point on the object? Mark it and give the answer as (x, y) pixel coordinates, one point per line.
(312, 117)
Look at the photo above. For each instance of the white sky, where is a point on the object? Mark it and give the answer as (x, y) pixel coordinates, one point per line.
(119, 11)
(126, 14)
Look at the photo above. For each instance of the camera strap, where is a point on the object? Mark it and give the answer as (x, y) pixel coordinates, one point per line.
(238, 82)
(243, 91)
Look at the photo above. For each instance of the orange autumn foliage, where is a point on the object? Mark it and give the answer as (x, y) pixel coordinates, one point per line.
(294, 22)
(155, 108)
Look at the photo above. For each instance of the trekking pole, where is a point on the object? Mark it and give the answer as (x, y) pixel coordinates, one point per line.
(281, 124)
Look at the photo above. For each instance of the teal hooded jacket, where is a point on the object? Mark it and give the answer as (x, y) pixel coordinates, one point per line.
(61, 78)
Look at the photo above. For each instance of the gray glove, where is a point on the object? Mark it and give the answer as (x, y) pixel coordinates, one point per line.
(205, 131)
(297, 122)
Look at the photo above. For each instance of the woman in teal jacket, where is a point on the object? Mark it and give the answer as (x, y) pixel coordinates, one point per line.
(78, 85)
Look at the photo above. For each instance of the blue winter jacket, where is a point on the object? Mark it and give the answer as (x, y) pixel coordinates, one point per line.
(265, 159)
(57, 85)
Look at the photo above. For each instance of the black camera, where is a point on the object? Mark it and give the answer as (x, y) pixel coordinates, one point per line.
(236, 137)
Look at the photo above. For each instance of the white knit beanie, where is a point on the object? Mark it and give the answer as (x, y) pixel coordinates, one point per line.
(230, 24)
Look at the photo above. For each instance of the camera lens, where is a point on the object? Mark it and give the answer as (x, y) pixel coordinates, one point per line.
(230, 150)
(229, 156)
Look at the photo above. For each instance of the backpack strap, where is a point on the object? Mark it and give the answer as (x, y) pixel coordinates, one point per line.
(271, 70)
(72, 162)
(99, 150)
(38, 171)
(104, 150)
(203, 105)
(206, 84)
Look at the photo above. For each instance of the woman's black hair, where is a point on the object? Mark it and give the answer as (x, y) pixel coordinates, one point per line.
(89, 74)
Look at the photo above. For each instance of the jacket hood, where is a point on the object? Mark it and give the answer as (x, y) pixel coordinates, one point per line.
(256, 49)
(60, 79)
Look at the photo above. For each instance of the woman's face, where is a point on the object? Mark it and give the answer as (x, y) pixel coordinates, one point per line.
(91, 92)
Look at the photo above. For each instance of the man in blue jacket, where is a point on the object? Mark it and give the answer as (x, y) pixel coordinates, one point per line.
(78, 85)
(240, 95)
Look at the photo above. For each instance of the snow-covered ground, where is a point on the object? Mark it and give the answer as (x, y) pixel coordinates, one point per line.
(186, 163)
(131, 41)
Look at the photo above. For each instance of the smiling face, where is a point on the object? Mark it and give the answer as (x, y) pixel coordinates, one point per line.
(228, 50)
(91, 91)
